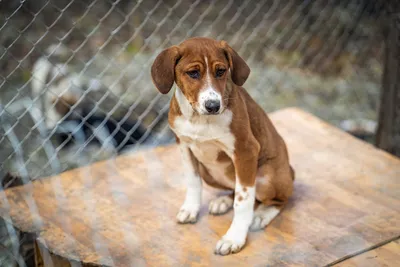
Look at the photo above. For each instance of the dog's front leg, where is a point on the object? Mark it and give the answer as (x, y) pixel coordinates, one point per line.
(191, 206)
(245, 162)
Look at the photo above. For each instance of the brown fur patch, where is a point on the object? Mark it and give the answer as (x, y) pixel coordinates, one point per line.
(174, 111)
(223, 157)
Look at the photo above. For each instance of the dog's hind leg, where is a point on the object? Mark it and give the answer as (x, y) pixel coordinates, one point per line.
(273, 189)
(263, 215)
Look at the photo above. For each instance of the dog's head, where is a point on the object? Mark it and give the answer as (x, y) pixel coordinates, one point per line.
(201, 68)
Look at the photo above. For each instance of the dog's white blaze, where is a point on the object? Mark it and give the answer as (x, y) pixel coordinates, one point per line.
(243, 215)
(208, 92)
(208, 78)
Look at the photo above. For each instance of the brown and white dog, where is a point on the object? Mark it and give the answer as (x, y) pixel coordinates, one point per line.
(225, 138)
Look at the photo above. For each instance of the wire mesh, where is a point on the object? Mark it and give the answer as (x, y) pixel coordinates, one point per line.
(75, 85)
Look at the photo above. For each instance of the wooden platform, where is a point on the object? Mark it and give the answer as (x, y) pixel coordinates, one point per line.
(122, 212)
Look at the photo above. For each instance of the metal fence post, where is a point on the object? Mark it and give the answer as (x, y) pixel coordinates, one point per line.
(388, 132)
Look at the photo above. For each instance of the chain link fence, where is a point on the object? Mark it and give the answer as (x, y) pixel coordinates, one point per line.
(75, 85)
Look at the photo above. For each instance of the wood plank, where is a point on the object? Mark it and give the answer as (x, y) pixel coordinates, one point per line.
(387, 255)
(121, 212)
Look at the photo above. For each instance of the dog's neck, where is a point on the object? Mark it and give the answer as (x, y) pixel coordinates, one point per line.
(184, 105)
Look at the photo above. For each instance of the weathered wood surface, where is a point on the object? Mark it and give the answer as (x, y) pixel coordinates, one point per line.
(387, 255)
(122, 212)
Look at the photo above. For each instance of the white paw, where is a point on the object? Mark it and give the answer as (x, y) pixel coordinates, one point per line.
(258, 223)
(220, 205)
(263, 216)
(187, 214)
(227, 246)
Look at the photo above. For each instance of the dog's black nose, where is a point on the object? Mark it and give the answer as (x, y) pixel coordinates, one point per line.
(212, 106)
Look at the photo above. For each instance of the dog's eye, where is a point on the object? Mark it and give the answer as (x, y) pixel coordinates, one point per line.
(194, 74)
(220, 73)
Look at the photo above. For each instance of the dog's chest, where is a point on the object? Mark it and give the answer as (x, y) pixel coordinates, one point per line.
(209, 134)
(207, 139)
(208, 154)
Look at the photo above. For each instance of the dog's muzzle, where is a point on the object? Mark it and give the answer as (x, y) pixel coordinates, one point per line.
(212, 106)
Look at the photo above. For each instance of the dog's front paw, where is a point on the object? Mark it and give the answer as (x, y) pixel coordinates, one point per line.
(220, 205)
(187, 214)
(227, 245)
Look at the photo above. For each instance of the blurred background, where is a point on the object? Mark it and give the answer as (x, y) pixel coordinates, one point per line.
(75, 84)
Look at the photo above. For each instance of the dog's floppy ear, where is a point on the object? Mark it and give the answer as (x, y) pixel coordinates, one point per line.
(163, 69)
(239, 69)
